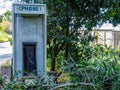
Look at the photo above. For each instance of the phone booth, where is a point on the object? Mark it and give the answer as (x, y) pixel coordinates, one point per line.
(29, 40)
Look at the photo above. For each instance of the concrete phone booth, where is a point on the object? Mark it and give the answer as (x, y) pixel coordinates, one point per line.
(29, 39)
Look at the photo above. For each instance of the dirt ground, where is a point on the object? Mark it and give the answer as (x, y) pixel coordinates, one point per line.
(5, 69)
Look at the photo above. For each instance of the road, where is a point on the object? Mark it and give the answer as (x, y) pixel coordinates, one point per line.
(5, 52)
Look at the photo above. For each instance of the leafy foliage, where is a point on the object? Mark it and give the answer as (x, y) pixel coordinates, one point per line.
(102, 70)
(7, 16)
(37, 83)
(90, 67)
(4, 37)
(66, 19)
(5, 27)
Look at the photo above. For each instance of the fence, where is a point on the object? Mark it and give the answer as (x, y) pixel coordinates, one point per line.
(109, 37)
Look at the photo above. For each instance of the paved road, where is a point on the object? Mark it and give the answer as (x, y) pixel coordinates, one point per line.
(5, 51)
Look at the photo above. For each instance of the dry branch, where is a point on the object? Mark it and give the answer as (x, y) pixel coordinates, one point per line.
(73, 84)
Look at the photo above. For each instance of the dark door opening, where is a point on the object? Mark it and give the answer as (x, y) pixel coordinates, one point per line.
(29, 59)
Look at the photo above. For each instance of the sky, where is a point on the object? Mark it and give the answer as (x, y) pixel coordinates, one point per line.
(7, 5)
(110, 26)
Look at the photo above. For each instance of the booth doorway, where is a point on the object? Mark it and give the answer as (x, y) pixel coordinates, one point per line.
(29, 59)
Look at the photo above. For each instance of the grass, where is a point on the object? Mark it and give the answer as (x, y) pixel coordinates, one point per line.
(4, 37)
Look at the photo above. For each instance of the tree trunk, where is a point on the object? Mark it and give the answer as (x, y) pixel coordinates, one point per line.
(53, 62)
(54, 55)
(67, 31)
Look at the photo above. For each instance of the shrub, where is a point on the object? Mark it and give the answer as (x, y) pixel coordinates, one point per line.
(37, 83)
(101, 72)
(4, 37)
(6, 26)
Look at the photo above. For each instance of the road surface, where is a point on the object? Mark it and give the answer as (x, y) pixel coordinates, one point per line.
(5, 52)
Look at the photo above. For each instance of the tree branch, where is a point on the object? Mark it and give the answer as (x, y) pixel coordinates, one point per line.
(73, 84)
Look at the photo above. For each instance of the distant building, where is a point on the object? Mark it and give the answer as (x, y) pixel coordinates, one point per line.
(109, 37)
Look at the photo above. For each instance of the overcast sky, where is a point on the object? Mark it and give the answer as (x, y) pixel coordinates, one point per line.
(7, 5)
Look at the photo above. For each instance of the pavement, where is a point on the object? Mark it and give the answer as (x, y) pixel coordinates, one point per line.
(5, 52)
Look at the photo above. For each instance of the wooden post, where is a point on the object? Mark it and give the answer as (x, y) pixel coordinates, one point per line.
(104, 38)
(113, 41)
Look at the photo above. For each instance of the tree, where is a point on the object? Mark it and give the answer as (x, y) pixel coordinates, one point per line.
(67, 17)
(5, 22)
(1, 18)
(7, 16)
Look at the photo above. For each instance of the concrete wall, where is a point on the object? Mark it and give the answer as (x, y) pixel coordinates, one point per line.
(117, 39)
(29, 30)
(105, 37)
(29, 26)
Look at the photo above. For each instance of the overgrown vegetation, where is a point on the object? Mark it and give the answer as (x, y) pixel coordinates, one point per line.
(100, 72)
(66, 20)
(4, 37)
(74, 55)
(5, 27)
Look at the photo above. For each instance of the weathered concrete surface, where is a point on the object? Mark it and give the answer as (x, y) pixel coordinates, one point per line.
(5, 52)
(29, 27)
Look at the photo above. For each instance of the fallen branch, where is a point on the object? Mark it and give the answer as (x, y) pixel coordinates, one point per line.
(73, 84)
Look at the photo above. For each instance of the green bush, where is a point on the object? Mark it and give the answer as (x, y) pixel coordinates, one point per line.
(6, 26)
(37, 83)
(101, 72)
(4, 37)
